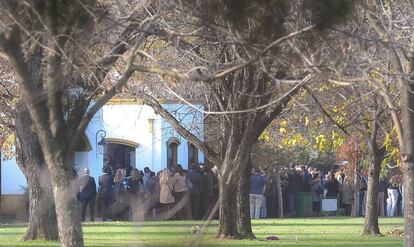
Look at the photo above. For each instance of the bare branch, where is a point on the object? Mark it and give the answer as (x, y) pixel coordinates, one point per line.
(342, 128)
(294, 88)
(391, 105)
(129, 71)
(270, 46)
(207, 151)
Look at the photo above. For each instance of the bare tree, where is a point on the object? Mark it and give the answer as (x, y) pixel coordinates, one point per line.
(46, 43)
(389, 41)
(253, 77)
(42, 217)
(401, 56)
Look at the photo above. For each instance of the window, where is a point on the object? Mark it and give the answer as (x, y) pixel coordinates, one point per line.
(192, 155)
(172, 151)
(172, 154)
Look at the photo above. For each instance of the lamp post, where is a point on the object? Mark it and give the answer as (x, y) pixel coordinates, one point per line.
(101, 145)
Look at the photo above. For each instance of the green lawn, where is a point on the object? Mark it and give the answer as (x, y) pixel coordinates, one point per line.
(335, 231)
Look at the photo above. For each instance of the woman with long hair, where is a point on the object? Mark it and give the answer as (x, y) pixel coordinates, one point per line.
(166, 189)
(135, 194)
(121, 208)
(181, 194)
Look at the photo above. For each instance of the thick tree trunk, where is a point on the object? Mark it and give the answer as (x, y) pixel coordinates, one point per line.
(407, 156)
(371, 210)
(228, 215)
(234, 189)
(244, 226)
(42, 216)
(59, 174)
(408, 194)
(67, 206)
(279, 194)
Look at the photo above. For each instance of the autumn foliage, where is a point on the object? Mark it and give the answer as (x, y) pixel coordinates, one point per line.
(352, 150)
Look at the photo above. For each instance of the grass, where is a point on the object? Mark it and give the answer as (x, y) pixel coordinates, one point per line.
(329, 231)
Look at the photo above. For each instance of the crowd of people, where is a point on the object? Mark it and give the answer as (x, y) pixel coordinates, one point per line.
(131, 194)
(335, 184)
(139, 195)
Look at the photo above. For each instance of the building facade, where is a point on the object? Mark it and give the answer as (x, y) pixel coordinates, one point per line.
(134, 136)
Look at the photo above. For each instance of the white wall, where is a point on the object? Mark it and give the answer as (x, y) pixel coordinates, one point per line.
(193, 121)
(128, 122)
(12, 179)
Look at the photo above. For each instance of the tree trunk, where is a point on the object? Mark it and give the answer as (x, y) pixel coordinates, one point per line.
(371, 209)
(279, 194)
(59, 174)
(42, 216)
(407, 156)
(408, 187)
(228, 215)
(355, 206)
(234, 189)
(244, 226)
(67, 206)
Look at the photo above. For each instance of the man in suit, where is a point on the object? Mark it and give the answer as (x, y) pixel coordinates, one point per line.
(105, 191)
(87, 194)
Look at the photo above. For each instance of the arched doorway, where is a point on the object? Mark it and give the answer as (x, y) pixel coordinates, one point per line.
(122, 153)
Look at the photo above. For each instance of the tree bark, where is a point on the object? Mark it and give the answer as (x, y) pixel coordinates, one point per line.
(235, 184)
(228, 215)
(279, 194)
(408, 186)
(407, 155)
(355, 206)
(371, 210)
(67, 206)
(42, 216)
(244, 226)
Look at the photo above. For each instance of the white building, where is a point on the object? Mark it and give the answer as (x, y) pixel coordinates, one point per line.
(134, 135)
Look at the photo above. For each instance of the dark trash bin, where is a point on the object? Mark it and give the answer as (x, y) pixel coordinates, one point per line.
(303, 204)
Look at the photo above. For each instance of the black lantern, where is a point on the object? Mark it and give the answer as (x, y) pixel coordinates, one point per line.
(101, 145)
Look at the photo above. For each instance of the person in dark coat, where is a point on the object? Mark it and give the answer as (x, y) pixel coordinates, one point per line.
(271, 197)
(291, 190)
(105, 191)
(208, 191)
(316, 191)
(195, 192)
(306, 177)
(382, 187)
(332, 186)
(134, 184)
(135, 194)
(300, 179)
(87, 194)
(150, 189)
